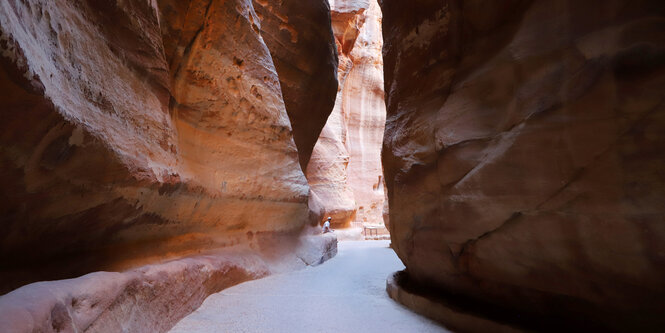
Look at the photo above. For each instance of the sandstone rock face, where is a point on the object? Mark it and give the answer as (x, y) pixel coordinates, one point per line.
(137, 131)
(345, 170)
(153, 298)
(299, 36)
(524, 153)
(141, 300)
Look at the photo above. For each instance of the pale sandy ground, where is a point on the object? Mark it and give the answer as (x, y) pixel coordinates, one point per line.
(345, 294)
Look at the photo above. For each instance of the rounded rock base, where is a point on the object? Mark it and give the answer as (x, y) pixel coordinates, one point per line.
(452, 317)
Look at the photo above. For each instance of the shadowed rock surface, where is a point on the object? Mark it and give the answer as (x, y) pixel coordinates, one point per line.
(524, 153)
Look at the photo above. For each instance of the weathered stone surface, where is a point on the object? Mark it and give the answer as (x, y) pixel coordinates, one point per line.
(136, 131)
(139, 131)
(299, 36)
(153, 298)
(327, 174)
(148, 299)
(364, 105)
(524, 153)
(313, 251)
(345, 171)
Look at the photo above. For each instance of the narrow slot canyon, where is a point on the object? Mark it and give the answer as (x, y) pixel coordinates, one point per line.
(345, 173)
(332, 166)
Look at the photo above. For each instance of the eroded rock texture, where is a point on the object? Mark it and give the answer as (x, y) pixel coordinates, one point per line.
(300, 39)
(150, 299)
(134, 131)
(524, 154)
(153, 298)
(345, 170)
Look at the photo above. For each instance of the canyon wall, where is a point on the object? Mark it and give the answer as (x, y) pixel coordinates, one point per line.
(345, 171)
(138, 131)
(524, 158)
(298, 36)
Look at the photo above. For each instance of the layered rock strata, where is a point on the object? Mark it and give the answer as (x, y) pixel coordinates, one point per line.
(345, 171)
(138, 131)
(523, 155)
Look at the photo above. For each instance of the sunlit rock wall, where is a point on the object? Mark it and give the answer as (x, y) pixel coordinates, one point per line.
(345, 171)
(140, 130)
(524, 154)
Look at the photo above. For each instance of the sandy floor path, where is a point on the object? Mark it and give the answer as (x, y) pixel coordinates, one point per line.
(345, 294)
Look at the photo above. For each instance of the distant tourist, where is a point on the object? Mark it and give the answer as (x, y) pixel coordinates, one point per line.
(326, 225)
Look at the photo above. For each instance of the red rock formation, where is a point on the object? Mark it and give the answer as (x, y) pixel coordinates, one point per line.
(524, 154)
(299, 36)
(345, 171)
(139, 131)
(153, 298)
(136, 131)
(149, 299)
